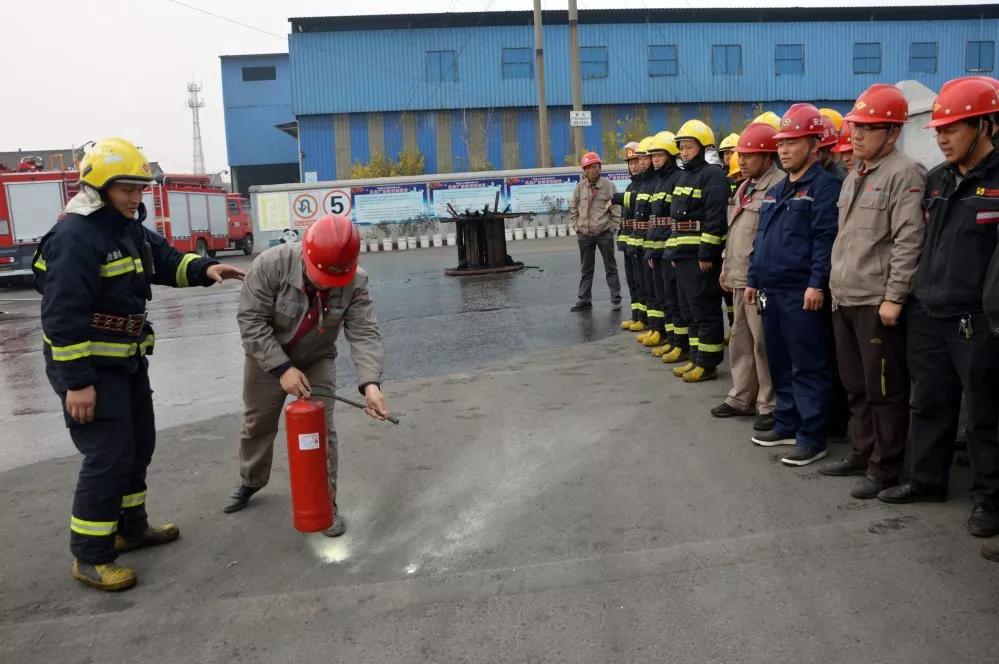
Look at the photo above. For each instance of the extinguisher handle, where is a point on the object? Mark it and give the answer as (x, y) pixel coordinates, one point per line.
(351, 402)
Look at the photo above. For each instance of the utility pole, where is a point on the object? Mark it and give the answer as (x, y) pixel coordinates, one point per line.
(195, 104)
(577, 80)
(544, 136)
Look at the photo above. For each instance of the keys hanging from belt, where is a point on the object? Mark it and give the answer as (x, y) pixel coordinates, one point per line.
(965, 328)
(761, 302)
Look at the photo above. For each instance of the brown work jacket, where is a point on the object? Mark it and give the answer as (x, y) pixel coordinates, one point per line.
(588, 209)
(743, 217)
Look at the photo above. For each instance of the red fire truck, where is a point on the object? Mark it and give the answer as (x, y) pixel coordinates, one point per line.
(193, 215)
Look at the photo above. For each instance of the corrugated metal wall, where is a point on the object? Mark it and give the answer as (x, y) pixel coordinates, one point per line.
(252, 108)
(383, 70)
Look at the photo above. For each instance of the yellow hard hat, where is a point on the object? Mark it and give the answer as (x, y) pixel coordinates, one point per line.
(770, 118)
(729, 142)
(644, 145)
(834, 115)
(114, 160)
(733, 164)
(698, 131)
(665, 141)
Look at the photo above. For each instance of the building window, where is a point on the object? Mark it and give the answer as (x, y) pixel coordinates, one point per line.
(981, 55)
(923, 57)
(663, 60)
(517, 63)
(442, 66)
(594, 61)
(867, 58)
(789, 59)
(726, 59)
(259, 73)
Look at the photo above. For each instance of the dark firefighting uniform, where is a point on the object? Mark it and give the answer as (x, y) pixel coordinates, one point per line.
(627, 199)
(639, 238)
(699, 212)
(663, 273)
(950, 345)
(94, 273)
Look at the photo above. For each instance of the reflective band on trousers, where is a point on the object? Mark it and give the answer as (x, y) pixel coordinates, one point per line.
(712, 239)
(655, 313)
(694, 342)
(711, 348)
(681, 330)
(99, 349)
(133, 500)
(181, 277)
(92, 528)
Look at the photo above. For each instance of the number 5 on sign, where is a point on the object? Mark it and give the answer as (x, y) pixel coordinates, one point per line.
(337, 201)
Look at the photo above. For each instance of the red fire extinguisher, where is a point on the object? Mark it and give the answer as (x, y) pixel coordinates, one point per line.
(311, 503)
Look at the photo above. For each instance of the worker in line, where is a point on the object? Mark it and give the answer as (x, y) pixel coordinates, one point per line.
(663, 151)
(698, 210)
(874, 261)
(635, 243)
(788, 275)
(639, 237)
(730, 164)
(752, 390)
(296, 299)
(827, 142)
(594, 219)
(950, 345)
(626, 200)
(94, 270)
(844, 149)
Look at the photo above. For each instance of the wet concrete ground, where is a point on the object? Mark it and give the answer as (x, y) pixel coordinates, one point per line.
(542, 501)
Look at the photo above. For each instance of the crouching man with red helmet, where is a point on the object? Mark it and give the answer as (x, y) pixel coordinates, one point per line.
(294, 302)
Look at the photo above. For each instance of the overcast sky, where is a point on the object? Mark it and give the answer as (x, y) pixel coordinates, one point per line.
(76, 70)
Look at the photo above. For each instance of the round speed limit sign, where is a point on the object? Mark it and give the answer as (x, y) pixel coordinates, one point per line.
(337, 201)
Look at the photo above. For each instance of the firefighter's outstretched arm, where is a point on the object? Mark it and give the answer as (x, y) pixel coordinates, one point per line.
(172, 268)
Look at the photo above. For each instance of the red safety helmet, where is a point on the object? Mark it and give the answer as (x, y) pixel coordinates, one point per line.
(801, 120)
(843, 143)
(589, 159)
(960, 100)
(757, 137)
(330, 250)
(880, 103)
(830, 135)
(988, 79)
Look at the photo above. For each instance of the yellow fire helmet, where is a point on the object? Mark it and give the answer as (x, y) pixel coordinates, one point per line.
(698, 131)
(729, 142)
(644, 145)
(664, 141)
(114, 160)
(630, 150)
(770, 118)
(834, 115)
(733, 164)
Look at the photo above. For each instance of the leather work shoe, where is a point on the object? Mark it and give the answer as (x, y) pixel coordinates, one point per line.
(868, 487)
(637, 326)
(763, 422)
(771, 439)
(659, 351)
(239, 498)
(724, 410)
(675, 355)
(984, 521)
(700, 374)
(626, 324)
(682, 369)
(911, 492)
(581, 306)
(652, 339)
(844, 468)
(990, 553)
(150, 537)
(111, 577)
(338, 528)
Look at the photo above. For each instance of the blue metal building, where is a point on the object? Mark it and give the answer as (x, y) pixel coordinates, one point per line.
(460, 89)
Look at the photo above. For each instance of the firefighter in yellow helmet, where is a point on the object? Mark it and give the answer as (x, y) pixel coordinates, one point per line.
(94, 270)
(635, 253)
(698, 209)
(768, 117)
(834, 116)
(626, 199)
(730, 162)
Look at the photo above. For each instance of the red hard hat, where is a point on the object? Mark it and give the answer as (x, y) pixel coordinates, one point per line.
(960, 100)
(801, 120)
(589, 159)
(757, 137)
(843, 143)
(988, 79)
(330, 250)
(880, 103)
(830, 135)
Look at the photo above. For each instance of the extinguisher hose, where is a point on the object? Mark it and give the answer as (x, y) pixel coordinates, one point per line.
(350, 402)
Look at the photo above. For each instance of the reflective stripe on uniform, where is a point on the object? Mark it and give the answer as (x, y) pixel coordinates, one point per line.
(181, 277)
(41, 264)
(147, 344)
(98, 349)
(655, 313)
(68, 353)
(711, 348)
(133, 500)
(642, 307)
(121, 266)
(682, 331)
(710, 238)
(694, 342)
(92, 528)
(695, 193)
(627, 199)
(684, 240)
(643, 197)
(670, 327)
(635, 306)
